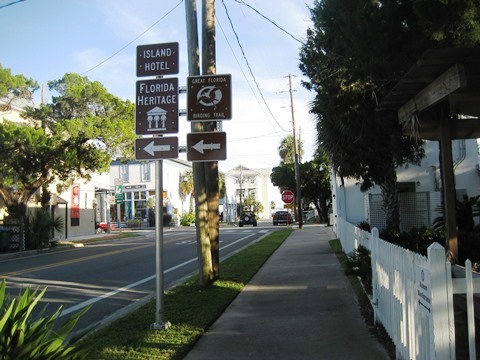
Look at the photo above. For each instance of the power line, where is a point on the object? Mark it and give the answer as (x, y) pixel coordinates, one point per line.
(271, 21)
(139, 36)
(249, 67)
(243, 73)
(10, 4)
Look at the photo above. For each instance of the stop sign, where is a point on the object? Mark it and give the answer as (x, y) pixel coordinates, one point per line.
(288, 197)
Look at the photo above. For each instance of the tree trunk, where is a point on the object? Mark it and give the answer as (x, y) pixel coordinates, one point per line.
(390, 200)
(211, 175)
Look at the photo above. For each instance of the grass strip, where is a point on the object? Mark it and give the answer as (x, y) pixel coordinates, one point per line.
(190, 308)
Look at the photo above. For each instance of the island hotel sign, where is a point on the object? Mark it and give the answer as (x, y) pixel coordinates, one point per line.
(157, 59)
(157, 99)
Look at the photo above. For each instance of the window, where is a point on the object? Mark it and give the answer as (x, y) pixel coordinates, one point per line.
(145, 170)
(124, 173)
(140, 204)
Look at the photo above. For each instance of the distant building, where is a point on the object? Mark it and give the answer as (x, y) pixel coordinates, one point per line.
(256, 182)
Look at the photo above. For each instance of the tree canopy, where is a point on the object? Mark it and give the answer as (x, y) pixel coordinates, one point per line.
(74, 136)
(354, 54)
(314, 181)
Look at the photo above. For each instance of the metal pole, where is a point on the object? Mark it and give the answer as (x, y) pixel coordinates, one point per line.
(119, 217)
(160, 323)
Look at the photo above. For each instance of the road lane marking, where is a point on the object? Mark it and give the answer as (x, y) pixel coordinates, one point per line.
(72, 261)
(130, 286)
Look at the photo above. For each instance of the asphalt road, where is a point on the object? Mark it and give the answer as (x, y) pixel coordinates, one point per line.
(114, 275)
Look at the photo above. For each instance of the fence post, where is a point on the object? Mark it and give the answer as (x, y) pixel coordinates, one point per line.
(440, 310)
(374, 238)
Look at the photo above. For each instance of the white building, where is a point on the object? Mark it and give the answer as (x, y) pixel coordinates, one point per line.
(256, 182)
(419, 189)
(139, 186)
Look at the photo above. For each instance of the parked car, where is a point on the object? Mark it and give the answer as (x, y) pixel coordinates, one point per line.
(103, 226)
(248, 218)
(282, 217)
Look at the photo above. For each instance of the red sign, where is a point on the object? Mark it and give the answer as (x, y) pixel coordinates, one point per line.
(288, 197)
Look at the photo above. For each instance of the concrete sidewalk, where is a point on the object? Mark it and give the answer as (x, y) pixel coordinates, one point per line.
(300, 305)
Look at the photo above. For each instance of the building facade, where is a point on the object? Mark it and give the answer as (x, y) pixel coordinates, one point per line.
(419, 189)
(139, 187)
(256, 183)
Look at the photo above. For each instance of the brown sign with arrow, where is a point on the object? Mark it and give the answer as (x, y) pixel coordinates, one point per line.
(206, 146)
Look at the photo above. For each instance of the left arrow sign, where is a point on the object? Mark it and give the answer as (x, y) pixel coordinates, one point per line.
(201, 146)
(156, 148)
(151, 148)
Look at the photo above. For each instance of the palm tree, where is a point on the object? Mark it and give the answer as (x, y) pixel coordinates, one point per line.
(186, 188)
(286, 150)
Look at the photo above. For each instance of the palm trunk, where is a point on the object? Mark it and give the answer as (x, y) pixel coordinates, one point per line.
(390, 200)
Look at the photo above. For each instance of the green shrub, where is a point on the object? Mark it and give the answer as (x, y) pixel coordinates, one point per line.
(417, 240)
(359, 263)
(131, 223)
(23, 336)
(364, 226)
(39, 228)
(187, 219)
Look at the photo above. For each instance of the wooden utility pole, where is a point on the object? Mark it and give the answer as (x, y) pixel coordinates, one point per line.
(297, 155)
(199, 178)
(211, 167)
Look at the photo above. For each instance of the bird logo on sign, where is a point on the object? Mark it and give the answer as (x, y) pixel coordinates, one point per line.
(209, 96)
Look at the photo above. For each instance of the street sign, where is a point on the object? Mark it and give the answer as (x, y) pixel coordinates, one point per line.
(156, 106)
(156, 148)
(118, 194)
(206, 146)
(288, 197)
(209, 97)
(157, 59)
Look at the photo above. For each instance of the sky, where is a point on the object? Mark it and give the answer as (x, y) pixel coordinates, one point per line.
(45, 39)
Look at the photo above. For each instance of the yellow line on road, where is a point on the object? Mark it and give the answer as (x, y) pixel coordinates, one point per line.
(67, 262)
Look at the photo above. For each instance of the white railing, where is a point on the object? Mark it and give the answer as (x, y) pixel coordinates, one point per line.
(413, 295)
(352, 236)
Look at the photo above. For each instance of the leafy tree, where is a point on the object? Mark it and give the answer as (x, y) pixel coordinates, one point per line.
(73, 137)
(251, 203)
(15, 86)
(283, 176)
(354, 54)
(314, 184)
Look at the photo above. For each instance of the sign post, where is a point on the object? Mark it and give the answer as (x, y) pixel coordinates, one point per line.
(119, 201)
(157, 114)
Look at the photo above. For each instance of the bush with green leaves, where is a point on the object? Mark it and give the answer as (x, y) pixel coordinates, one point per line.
(359, 263)
(187, 219)
(39, 228)
(26, 334)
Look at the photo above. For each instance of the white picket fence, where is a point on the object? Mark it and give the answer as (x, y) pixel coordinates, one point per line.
(413, 295)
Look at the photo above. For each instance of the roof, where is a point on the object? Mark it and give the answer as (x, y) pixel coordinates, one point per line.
(449, 76)
(430, 66)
